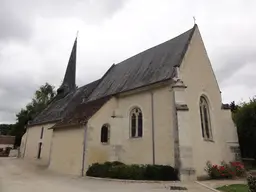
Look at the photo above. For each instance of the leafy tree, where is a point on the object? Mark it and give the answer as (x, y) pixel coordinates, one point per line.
(244, 117)
(5, 129)
(41, 99)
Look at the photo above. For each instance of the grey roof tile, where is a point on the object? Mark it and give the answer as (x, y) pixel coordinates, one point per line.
(153, 65)
(57, 109)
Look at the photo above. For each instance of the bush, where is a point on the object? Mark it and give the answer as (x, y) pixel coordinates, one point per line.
(225, 171)
(119, 170)
(251, 180)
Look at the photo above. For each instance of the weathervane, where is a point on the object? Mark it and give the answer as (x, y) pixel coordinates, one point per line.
(77, 33)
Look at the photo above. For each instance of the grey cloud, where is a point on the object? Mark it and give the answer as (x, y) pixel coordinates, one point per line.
(7, 117)
(15, 22)
(17, 17)
(14, 93)
(233, 61)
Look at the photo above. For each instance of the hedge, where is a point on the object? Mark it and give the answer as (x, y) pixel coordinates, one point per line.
(119, 170)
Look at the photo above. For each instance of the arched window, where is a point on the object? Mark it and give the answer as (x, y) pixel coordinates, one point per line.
(105, 133)
(205, 119)
(136, 122)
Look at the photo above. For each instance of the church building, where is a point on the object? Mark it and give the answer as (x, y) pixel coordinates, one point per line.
(161, 106)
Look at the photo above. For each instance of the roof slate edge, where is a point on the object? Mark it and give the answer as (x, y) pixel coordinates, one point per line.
(75, 124)
(187, 45)
(43, 122)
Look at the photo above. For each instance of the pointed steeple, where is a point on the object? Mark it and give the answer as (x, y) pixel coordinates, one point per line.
(69, 82)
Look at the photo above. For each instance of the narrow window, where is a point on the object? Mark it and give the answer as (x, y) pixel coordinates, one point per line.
(140, 124)
(205, 119)
(133, 124)
(39, 150)
(136, 122)
(105, 134)
(42, 133)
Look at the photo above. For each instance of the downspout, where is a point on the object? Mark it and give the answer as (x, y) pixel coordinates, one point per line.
(84, 148)
(153, 127)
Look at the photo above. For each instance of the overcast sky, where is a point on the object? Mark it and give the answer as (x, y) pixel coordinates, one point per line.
(36, 38)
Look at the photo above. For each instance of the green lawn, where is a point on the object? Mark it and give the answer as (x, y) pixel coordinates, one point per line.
(234, 188)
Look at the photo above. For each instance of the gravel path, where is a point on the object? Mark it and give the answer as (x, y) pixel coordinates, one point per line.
(18, 175)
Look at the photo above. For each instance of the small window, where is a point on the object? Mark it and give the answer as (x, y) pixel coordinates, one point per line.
(105, 133)
(205, 119)
(39, 150)
(42, 133)
(136, 123)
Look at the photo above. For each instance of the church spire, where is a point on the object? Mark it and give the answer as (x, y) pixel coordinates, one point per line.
(69, 82)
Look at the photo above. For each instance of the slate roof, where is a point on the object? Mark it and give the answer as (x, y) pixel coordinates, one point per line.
(82, 113)
(69, 81)
(57, 109)
(151, 66)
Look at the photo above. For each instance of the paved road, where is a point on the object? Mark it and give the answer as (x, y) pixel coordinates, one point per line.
(18, 175)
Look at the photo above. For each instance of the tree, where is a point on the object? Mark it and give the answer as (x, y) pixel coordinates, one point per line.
(41, 99)
(5, 129)
(233, 107)
(244, 117)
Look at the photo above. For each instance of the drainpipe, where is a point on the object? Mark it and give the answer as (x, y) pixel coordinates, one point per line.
(84, 148)
(153, 127)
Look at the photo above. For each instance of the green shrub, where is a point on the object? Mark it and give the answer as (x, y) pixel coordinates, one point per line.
(251, 180)
(160, 172)
(119, 170)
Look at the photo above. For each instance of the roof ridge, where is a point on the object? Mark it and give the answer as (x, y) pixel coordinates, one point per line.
(190, 30)
(187, 44)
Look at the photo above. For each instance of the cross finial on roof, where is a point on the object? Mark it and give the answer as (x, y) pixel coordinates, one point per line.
(77, 33)
(194, 18)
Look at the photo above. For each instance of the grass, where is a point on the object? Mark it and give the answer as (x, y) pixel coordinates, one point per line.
(234, 188)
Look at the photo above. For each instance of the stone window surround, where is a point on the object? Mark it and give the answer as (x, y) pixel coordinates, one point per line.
(204, 102)
(136, 111)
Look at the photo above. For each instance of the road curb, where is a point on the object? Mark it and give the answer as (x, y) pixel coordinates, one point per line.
(131, 181)
(206, 186)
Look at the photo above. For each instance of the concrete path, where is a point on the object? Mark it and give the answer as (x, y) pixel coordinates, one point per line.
(18, 175)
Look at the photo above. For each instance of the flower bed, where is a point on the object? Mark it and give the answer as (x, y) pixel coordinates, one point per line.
(119, 170)
(225, 171)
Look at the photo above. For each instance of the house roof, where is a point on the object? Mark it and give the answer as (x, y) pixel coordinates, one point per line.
(7, 139)
(58, 108)
(82, 113)
(151, 66)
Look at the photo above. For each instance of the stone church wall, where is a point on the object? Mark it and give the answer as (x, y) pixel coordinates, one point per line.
(134, 150)
(197, 74)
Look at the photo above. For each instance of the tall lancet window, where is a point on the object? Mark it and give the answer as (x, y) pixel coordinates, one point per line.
(205, 119)
(136, 123)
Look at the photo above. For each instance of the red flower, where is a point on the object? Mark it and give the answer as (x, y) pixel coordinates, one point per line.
(222, 168)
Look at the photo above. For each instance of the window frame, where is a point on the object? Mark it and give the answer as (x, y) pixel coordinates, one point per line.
(137, 113)
(205, 118)
(106, 125)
